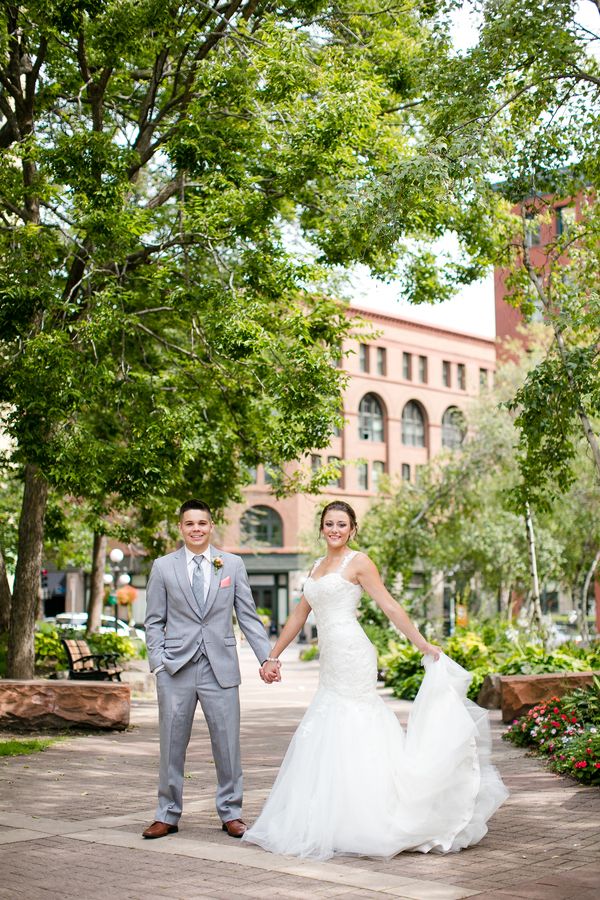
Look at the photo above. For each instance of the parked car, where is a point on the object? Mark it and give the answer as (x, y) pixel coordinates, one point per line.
(78, 621)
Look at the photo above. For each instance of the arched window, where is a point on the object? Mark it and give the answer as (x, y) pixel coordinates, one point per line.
(413, 425)
(453, 428)
(370, 419)
(261, 525)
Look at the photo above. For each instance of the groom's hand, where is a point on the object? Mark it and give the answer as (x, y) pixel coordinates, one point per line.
(270, 671)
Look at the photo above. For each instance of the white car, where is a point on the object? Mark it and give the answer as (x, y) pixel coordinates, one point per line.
(78, 621)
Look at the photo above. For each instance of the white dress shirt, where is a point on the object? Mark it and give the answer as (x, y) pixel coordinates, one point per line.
(206, 571)
(206, 564)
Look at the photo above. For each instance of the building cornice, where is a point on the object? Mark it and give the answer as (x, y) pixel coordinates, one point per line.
(420, 326)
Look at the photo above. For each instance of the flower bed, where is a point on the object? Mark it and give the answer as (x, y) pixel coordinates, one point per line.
(566, 731)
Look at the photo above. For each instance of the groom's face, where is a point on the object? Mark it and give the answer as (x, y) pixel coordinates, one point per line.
(196, 528)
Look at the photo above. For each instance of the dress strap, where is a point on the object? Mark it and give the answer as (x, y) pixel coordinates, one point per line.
(315, 565)
(347, 559)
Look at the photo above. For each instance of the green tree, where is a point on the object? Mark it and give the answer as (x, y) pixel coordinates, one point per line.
(160, 335)
(518, 114)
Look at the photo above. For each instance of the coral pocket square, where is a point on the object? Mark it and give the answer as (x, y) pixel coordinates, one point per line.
(225, 582)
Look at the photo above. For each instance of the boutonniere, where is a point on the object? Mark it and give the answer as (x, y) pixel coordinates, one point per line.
(217, 563)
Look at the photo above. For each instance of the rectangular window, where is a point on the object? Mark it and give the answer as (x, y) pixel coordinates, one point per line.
(363, 357)
(533, 234)
(315, 462)
(446, 374)
(381, 367)
(378, 469)
(335, 482)
(407, 366)
(363, 476)
(405, 472)
(565, 219)
(423, 369)
(483, 378)
(461, 375)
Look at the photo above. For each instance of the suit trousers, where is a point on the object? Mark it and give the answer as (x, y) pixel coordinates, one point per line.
(178, 696)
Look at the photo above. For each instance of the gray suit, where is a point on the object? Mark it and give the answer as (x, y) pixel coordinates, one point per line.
(198, 651)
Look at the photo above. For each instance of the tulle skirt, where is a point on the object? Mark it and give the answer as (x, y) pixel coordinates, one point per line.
(353, 783)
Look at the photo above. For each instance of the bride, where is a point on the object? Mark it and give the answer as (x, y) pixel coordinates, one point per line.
(352, 782)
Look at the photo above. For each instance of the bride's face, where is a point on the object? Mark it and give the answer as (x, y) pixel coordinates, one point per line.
(337, 529)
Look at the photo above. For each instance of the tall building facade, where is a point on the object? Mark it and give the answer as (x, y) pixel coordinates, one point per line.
(548, 219)
(402, 405)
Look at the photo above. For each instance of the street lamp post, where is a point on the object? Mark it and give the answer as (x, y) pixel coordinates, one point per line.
(118, 576)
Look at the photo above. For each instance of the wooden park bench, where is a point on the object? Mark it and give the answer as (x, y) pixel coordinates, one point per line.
(85, 665)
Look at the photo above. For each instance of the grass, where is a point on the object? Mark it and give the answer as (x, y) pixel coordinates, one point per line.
(22, 747)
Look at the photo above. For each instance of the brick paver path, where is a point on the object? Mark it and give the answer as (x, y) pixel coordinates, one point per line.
(71, 818)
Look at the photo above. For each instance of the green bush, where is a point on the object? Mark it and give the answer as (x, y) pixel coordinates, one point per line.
(403, 670)
(310, 653)
(533, 659)
(109, 642)
(49, 651)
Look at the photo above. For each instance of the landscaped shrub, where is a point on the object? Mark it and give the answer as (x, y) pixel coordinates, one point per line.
(402, 668)
(50, 653)
(566, 730)
(533, 659)
(108, 642)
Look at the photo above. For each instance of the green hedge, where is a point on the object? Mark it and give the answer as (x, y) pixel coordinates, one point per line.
(482, 652)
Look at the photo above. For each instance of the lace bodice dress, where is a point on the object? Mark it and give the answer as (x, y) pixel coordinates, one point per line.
(352, 781)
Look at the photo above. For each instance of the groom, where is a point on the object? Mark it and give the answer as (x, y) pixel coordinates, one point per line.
(191, 597)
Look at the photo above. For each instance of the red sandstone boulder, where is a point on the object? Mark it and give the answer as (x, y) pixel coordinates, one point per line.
(520, 692)
(41, 705)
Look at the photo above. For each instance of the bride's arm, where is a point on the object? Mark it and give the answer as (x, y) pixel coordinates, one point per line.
(294, 623)
(367, 575)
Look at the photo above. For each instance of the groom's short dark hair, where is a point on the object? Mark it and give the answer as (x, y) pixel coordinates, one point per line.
(194, 504)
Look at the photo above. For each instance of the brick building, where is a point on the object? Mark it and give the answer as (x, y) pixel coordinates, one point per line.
(402, 405)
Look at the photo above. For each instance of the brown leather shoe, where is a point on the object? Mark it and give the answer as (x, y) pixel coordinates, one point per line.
(159, 829)
(235, 828)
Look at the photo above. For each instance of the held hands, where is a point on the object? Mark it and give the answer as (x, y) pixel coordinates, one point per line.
(270, 671)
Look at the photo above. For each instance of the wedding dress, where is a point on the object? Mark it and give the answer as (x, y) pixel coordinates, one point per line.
(352, 782)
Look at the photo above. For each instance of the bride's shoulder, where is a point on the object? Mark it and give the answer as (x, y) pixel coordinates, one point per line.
(360, 559)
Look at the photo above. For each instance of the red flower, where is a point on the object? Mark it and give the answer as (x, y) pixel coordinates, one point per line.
(588, 749)
(556, 709)
(597, 765)
(574, 720)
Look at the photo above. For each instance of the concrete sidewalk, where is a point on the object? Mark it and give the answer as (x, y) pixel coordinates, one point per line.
(71, 821)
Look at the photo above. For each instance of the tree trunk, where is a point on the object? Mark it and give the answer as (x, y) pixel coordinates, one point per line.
(583, 606)
(535, 584)
(5, 597)
(97, 583)
(21, 660)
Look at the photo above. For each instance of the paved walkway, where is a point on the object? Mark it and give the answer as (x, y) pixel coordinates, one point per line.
(71, 819)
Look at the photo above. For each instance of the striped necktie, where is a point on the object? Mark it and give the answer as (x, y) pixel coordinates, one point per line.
(198, 582)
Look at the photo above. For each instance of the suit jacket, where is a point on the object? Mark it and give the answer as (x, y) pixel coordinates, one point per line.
(176, 630)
